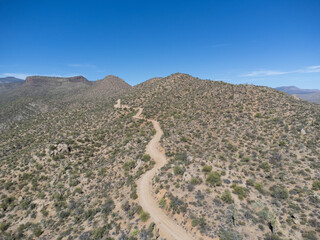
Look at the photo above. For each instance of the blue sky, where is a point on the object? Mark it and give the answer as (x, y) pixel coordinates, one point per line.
(271, 42)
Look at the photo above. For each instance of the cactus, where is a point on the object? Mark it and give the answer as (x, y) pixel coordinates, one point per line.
(234, 215)
(273, 224)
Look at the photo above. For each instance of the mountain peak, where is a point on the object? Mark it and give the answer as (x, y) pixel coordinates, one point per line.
(111, 82)
(112, 78)
(179, 75)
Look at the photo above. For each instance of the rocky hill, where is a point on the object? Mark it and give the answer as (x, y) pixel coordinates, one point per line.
(40, 94)
(244, 160)
(243, 164)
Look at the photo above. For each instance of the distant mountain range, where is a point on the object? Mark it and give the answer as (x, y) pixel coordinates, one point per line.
(8, 84)
(10, 80)
(311, 95)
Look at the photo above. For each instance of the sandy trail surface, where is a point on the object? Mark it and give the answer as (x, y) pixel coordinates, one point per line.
(168, 228)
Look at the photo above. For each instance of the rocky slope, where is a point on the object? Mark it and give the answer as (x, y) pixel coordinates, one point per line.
(244, 159)
(243, 164)
(40, 94)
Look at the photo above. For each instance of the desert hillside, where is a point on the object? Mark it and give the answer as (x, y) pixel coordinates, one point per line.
(42, 94)
(242, 163)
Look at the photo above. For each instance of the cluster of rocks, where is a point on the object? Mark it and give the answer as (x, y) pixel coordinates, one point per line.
(57, 149)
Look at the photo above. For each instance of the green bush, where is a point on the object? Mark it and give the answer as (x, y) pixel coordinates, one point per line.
(250, 182)
(127, 166)
(144, 216)
(195, 181)
(260, 188)
(242, 192)
(37, 231)
(279, 192)
(227, 197)
(146, 157)
(265, 166)
(178, 170)
(162, 203)
(316, 185)
(310, 235)
(213, 179)
(206, 168)
(98, 233)
(194, 222)
(229, 235)
(4, 226)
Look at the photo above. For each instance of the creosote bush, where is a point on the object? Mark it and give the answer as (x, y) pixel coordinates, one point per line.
(213, 179)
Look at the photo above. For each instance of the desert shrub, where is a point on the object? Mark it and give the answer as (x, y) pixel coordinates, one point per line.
(127, 166)
(144, 216)
(227, 197)
(260, 188)
(162, 203)
(183, 139)
(310, 235)
(279, 192)
(37, 231)
(98, 233)
(107, 207)
(250, 182)
(316, 185)
(190, 187)
(4, 226)
(258, 115)
(134, 195)
(206, 168)
(77, 190)
(194, 222)
(7, 202)
(265, 166)
(146, 157)
(178, 170)
(195, 181)
(229, 235)
(242, 192)
(272, 237)
(177, 205)
(213, 179)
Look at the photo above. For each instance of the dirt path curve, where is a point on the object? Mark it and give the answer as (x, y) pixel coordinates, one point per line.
(168, 228)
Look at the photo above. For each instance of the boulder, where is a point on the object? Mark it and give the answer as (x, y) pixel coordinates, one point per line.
(63, 148)
(57, 149)
(186, 177)
(139, 164)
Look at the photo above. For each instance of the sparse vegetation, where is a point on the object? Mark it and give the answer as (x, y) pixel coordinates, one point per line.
(79, 162)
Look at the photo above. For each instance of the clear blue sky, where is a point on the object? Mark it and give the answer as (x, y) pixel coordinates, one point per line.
(271, 42)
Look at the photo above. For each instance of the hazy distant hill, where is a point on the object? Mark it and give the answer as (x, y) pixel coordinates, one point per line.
(8, 84)
(243, 162)
(311, 95)
(10, 80)
(295, 90)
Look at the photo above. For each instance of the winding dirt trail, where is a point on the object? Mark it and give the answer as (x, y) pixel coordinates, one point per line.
(168, 228)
